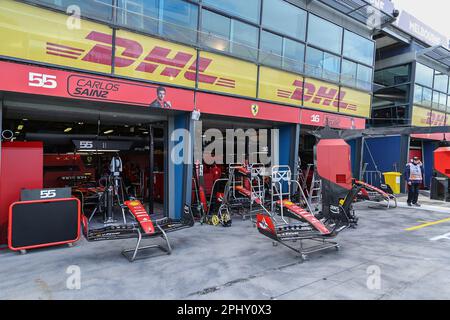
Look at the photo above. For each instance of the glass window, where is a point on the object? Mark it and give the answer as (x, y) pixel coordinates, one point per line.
(314, 62)
(427, 96)
(248, 9)
(271, 49)
(225, 34)
(393, 76)
(358, 48)
(322, 64)
(245, 40)
(418, 90)
(180, 20)
(435, 103)
(348, 74)
(100, 9)
(364, 77)
(215, 30)
(440, 81)
(424, 75)
(293, 55)
(442, 101)
(174, 19)
(285, 18)
(324, 34)
(139, 14)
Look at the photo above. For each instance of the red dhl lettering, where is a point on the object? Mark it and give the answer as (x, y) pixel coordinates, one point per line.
(434, 119)
(129, 51)
(322, 96)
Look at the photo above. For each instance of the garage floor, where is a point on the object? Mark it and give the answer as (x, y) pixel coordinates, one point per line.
(239, 263)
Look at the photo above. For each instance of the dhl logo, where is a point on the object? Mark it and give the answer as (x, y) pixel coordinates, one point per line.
(434, 119)
(323, 96)
(102, 53)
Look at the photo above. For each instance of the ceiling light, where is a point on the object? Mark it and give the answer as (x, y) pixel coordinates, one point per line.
(108, 131)
(68, 129)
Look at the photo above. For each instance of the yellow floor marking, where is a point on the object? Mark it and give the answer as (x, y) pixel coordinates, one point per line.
(427, 224)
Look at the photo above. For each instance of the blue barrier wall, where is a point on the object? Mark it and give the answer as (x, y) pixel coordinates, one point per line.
(386, 152)
(286, 139)
(428, 160)
(355, 150)
(177, 172)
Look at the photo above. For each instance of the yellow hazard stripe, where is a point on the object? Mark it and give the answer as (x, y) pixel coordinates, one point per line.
(427, 224)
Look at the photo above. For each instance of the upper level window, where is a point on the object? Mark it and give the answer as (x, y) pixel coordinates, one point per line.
(281, 52)
(324, 34)
(293, 55)
(393, 76)
(99, 9)
(229, 35)
(348, 74)
(322, 64)
(284, 18)
(358, 48)
(356, 75)
(271, 49)
(423, 96)
(439, 101)
(175, 19)
(424, 75)
(247, 9)
(440, 81)
(364, 78)
(179, 20)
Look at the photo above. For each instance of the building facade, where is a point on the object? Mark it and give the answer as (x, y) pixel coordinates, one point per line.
(95, 66)
(411, 88)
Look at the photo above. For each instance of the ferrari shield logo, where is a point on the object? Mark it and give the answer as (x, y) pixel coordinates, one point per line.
(255, 109)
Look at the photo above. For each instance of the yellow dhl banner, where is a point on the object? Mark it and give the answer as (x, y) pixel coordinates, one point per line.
(31, 33)
(320, 95)
(143, 57)
(280, 86)
(285, 87)
(224, 74)
(423, 117)
(355, 103)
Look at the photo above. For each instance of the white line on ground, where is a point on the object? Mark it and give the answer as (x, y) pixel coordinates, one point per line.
(424, 207)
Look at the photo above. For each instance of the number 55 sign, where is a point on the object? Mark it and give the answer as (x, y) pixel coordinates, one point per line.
(42, 80)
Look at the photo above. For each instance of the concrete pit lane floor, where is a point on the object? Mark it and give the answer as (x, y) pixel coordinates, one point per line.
(380, 259)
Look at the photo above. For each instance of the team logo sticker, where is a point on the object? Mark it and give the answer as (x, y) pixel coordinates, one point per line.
(255, 109)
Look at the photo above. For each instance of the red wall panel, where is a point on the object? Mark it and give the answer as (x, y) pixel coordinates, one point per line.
(21, 168)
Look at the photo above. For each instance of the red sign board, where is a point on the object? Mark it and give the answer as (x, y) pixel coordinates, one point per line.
(44, 81)
(29, 79)
(321, 119)
(244, 108)
(432, 136)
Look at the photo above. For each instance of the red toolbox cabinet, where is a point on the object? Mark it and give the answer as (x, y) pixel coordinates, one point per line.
(21, 168)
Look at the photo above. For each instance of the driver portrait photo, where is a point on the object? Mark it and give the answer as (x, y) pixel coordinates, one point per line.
(160, 101)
